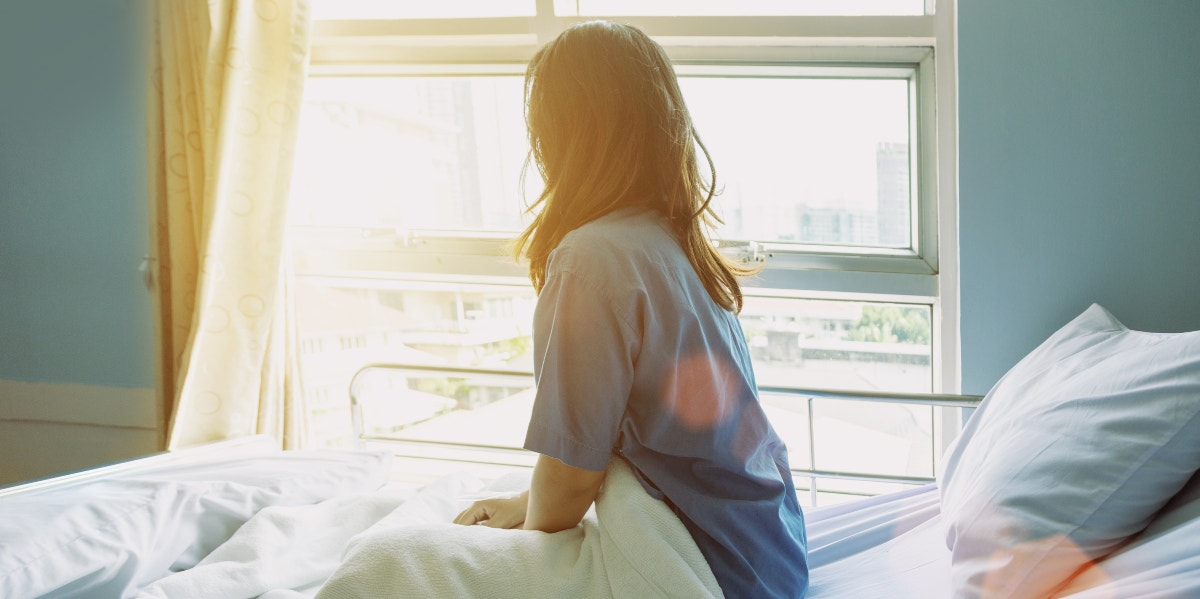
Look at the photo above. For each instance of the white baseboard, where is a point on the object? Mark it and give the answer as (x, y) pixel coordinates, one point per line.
(51, 428)
(71, 403)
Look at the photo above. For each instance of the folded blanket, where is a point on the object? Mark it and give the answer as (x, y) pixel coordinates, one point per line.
(634, 546)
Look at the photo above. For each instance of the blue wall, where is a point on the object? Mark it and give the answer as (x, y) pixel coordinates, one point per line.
(1079, 170)
(73, 197)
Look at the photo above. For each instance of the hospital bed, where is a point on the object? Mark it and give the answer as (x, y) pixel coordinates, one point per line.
(1096, 434)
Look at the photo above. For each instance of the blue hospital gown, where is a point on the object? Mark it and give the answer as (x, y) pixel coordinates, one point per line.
(633, 357)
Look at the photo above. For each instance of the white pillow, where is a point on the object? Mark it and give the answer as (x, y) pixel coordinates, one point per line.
(1072, 452)
(109, 537)
(1161, 561)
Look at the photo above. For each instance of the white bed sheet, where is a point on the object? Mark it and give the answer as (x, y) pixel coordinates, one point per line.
(401, 543)
(887, 546)
(109, 536)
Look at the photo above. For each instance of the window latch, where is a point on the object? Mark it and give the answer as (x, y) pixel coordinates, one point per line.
(746, 252)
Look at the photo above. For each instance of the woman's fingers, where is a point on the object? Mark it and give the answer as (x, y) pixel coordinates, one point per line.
(496, 513)
(473, 515)
(505, 519)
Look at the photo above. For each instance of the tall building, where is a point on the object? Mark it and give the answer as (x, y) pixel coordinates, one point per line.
(892, 177)
(837, 226)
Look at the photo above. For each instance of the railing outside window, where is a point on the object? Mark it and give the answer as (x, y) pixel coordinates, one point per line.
(479, 417)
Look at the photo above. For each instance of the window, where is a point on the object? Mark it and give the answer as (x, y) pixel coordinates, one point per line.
(832, 134)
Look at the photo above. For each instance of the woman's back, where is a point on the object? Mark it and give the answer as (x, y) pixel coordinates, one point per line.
(636, 357)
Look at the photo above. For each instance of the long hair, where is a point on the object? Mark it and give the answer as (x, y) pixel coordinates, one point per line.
(608, 129)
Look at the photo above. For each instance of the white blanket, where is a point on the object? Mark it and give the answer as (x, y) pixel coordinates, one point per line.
(401, 544)
(633, 547)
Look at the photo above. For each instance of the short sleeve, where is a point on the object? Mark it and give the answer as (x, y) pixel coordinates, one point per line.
(584, 350)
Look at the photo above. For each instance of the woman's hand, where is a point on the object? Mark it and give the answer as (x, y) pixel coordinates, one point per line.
(557, 500)
(500, 512)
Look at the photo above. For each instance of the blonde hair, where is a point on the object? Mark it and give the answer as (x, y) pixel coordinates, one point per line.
(608, 129)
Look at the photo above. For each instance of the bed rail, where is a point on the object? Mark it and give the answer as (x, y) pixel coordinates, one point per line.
(250, 445)
(515, 456)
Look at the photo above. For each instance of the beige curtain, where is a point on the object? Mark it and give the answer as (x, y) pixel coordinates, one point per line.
(227, 78)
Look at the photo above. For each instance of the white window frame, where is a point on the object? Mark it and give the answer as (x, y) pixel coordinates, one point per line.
(926, 275)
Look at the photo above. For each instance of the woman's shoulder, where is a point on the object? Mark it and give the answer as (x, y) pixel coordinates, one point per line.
(613, 245)
(620, 231)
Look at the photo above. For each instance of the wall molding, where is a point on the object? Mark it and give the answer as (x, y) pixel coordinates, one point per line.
(73, 403)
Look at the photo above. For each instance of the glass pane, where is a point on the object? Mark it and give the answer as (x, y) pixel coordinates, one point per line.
(789, 417)
(681, 8)
(471, 410)
(445, 9)
(411, 153)
(824, 344)
(345, 324)
(872, 438)
(822, 161)
(845, 345)
(853, 437)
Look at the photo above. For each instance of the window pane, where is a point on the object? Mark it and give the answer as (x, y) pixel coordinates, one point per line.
(857, 346)
(821, 161)
(411, 153)
(853, 437)
(469, 410)
(889, 439)
(681, 8)
(801, 160)
(346, 324)
(391, 9)
(845, 345)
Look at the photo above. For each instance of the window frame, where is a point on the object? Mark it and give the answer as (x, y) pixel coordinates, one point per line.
(927, 274)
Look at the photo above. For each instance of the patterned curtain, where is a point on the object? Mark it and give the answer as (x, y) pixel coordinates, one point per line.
(226, 84)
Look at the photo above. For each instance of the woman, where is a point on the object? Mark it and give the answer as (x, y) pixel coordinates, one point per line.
(637, 347)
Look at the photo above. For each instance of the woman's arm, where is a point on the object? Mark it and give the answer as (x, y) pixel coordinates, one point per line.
(559, 495)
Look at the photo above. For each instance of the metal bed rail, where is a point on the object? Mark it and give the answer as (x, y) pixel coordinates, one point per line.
(251, 445)
(515, 456)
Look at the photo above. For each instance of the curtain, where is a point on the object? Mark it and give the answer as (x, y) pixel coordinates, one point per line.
(226, 83)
